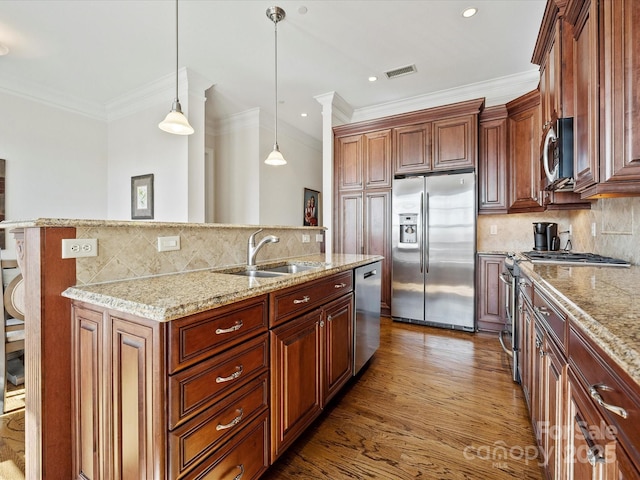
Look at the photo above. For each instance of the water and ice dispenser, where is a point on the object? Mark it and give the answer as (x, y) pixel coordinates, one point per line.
(408, 227)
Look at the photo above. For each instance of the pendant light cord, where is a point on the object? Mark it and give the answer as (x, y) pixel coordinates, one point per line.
(276, 82)
(177, 51)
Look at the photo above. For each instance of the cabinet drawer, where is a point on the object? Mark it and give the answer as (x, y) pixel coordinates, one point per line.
(607, 390)
(245, 454)
(551, 316)
(194, 338)
(193, 390)
(296, 300)
(201, 436)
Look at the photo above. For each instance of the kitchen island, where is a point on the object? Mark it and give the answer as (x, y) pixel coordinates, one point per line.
(208, 372)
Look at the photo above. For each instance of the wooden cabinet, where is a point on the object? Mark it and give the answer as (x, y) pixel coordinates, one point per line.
(413, 149)
(524, 154)
(311, 359)
(493, 173)
(491, 293)
(170, 400)
(455, 143)
(363, 161)
(118, 428)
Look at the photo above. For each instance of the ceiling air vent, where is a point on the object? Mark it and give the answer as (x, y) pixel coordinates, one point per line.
(398, 72)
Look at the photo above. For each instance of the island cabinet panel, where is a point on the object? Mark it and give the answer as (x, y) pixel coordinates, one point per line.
(245, 457)
(290, 302)
(338, 323)
(296, 378)
(196, 389)
(119, 381)
(197, 337)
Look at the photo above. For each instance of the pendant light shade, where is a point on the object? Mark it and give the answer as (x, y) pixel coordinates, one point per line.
(276, 14)
(175, 122)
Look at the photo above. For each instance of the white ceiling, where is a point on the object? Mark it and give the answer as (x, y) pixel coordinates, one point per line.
(92, 52)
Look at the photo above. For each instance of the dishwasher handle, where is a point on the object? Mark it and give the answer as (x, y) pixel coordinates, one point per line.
(370, 273)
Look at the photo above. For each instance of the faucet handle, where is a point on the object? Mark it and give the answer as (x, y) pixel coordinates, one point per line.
(252, 237)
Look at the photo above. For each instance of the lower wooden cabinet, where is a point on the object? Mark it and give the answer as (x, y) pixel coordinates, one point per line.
(311, 359)
(491, 299)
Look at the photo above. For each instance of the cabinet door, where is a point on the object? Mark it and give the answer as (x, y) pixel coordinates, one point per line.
(377, 236)
(553, 399)
(349, 160)
(586, 97)
(377, 160)
(550, 76)
(413, 149)
(492, 164)
(338, 328)
(455, 143)
(491, 293)
(90, 396)
(621, 64)
(524, 150)
(350, 225)
(138, 423)
(296, 379)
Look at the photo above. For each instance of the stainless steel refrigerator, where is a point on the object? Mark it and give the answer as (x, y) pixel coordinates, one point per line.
(434, 249)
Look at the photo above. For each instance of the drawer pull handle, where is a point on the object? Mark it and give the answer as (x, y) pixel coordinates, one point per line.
(235, 328)
(593, 391)
(304, 299)
(232, 423)
(542, 311)
(233, 376)
(241, 474)
(340, 285)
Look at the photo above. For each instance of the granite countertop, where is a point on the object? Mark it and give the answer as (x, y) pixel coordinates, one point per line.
(167, 297)
(603, 301)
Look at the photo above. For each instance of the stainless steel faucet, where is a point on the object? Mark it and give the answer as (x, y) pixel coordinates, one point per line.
(253, 249)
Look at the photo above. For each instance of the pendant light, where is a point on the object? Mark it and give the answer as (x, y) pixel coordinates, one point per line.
(276, 14)
(175, 122)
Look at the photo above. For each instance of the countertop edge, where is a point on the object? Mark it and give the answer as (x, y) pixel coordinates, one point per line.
(97, 295)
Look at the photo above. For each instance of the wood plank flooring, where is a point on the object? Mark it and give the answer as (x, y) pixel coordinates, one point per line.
(432, 404)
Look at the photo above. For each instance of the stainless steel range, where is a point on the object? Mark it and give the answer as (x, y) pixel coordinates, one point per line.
(574, 258)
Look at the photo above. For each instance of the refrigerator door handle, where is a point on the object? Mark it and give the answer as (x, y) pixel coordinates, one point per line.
(422, 240)
(425, 232)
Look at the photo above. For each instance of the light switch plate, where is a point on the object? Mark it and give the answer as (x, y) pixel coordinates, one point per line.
(319, 238)
(306, 238)
(168, 244)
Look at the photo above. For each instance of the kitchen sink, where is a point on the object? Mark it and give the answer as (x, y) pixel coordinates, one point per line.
(279, 271)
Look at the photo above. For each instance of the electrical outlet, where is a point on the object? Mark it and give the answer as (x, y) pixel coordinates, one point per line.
(593, 229)
(493, 230)
(319, 237)
(306, 238)
(167, 244)
(79, 247)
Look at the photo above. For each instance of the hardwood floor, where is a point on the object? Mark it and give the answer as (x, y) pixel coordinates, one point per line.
(432, 404)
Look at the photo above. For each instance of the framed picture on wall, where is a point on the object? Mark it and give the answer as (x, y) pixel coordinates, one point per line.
(311, 208)
(142, 197)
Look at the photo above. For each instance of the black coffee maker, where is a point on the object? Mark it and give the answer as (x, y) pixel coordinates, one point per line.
(545, 236)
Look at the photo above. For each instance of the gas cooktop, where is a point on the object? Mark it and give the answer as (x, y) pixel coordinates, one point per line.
(573, 258)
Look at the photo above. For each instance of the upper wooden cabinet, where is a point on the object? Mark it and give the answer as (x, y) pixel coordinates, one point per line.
(349, 160)
(455, 142)
(377, 155)
(606, 48)
(413, 149)
(524, 155)
(492, 161)
(363, 161)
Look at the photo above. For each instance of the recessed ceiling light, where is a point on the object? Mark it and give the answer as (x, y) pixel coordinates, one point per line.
(302, 10)
(469, 12)
(303, 114)
(3, 49)
(373, 78)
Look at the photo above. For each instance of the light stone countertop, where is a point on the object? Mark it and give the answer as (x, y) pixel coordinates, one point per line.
(167, 297)
(603, 301)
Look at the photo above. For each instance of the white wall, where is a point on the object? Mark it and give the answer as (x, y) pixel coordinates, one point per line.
(56, 161)
(282, 187)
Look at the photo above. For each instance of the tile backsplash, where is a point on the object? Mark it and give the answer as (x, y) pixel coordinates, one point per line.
(126, 252)
(616, 227)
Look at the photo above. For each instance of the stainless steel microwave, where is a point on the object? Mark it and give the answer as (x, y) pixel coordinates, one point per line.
(557, 155)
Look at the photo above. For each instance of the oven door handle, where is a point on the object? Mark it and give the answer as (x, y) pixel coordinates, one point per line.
(503, 280)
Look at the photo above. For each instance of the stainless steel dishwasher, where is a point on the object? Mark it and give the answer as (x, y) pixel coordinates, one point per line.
(366, 334)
